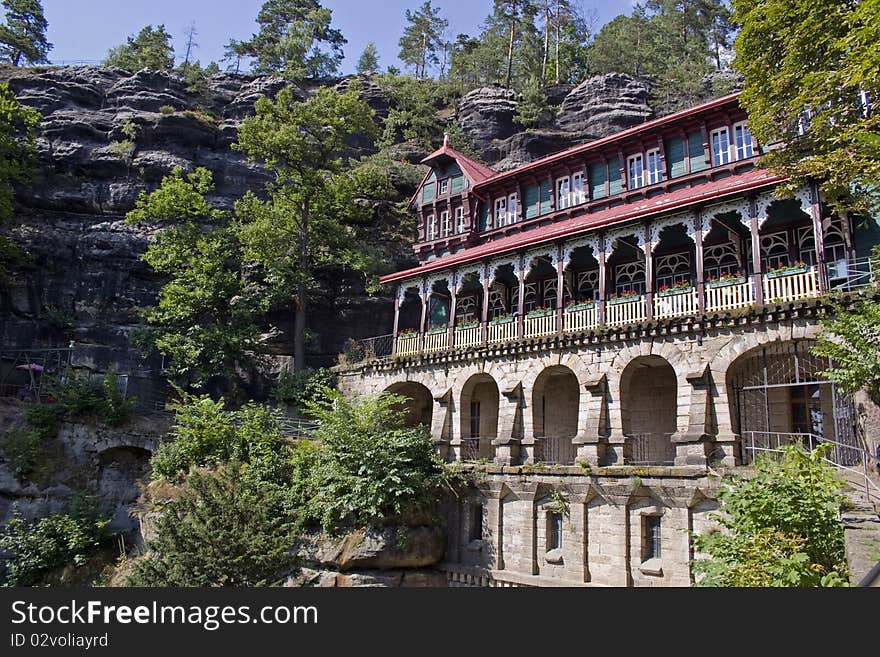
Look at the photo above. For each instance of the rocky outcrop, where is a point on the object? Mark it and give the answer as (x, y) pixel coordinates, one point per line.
(486, 114)
(604, 104)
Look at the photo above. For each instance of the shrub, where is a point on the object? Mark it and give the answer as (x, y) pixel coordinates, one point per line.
(22, 450)
(37, 546)
(302, 388)
(115, 406)
(780, 526)
(167, 109)
(78, 394)
(44, 419)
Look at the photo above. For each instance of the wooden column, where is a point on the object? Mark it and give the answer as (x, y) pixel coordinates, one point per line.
(756, 253)
(521, 274)
(603, 281)
(698, 261)
(426, 297)
(453, 294)
(649, 276)
(487, 282)
(400, 292)
(560, 287)
(818, 237)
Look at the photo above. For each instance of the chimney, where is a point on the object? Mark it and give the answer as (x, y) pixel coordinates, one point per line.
(445, 139)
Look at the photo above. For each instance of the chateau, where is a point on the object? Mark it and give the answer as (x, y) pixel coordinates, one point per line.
(602, 332)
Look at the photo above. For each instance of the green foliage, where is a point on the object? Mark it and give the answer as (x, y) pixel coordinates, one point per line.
(369, 466)
(227, 529)
(167, 109)
(123, 149)
(413, 109)
(368, 63)
(423, 36)
(22, 450)
(151, 49)
(23, 37)
(81, 396)
(197, 77)
(44, 419)
(799, 55)
(304, 387)
(851, 339)
(532, 106)
(295, 39)
(39, 546)
(116, 407)
(780, 527)
(17, 146)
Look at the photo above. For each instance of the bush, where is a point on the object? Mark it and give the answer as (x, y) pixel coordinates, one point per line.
(167, 109)
(44, 419)
(305, 387)
(22, 450)
(80, 396)
(369, 465)
(115, 407)
(39, 546)
(780, 527)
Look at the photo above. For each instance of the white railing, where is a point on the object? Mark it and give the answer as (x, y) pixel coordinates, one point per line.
(580, 320)
(505, 332)
(790, 287)
(437, 341)
(625, 312)
(468, 337)
(538, 326)
(409, 345)
(677, 304)
(729, 296)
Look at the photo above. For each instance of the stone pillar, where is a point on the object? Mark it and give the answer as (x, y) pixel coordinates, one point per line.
(398, 300)
(507, 444)
(560, 288)
(694, 403)
(756, 253)
(698, 261)
(590, 439)
(649, 278)
(617, 449)
(441, 420)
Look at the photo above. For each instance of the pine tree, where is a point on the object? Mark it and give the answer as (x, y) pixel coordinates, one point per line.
(151, 49)
(369, 60)
(23, 37)
(422, 39)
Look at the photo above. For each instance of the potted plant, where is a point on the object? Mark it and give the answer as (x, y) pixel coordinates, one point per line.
(725, 279)
(501, 319)
(583, 304)
(540, 312)
(407, 334)
(438, 328)
(799, 267)
(467, 324)
(622, 297)
(677, 288)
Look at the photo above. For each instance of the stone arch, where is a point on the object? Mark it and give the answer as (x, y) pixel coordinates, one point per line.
(555, 409)
(649, 409)
(480, 401)
(419, 405)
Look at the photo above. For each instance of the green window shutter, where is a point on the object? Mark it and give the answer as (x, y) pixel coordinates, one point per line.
(597, 180)
(530, 201)
(545, 197)
(429, 192)
(675, 158)
(695, 150)
(484, 216)
(457, 184)
(616, 185)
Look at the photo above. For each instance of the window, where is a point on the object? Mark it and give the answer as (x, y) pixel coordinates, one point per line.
(807, 415)
(743, 141)
(500, 212)
(651, 543)
(578, 194)
(563, 193)
(513, 207)
(720, 147)
(655, 167)
(554, 531)
(475, 419)
(636, 170)
(444, 187)
(429, 228)
(475, 531)
(445, 227)
(459, 220)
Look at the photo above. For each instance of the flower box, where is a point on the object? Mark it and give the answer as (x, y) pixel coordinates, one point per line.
(630, 297)
(675, 290)
(507, 319)
(573, 308)
(724, 282)
(406, 335)
(437, 329)
(540, 312)
(467, 325)
(787, 271)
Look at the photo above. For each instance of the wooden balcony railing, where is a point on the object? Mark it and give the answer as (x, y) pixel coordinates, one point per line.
(619, 312)
(502, 332)
(409, 345)
(790, 285)
(727, 295)
(676, 304)
(580, 320)
(436, 341)
(538, 326)
(468, 336)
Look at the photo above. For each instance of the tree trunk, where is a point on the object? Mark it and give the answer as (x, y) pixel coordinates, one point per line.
(558, 21)
(299, 322)
(16, 60)
(424, 54)
(510, 50)
(546, 41)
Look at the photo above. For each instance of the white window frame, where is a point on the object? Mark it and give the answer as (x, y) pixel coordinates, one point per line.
(513, 208)
(578, 188)
(430, 228)
(746, 150)
(500, 212)
(635, 169)
(720, 156)
(443, 187)
(459, 219)
(445, 226)
(654, 174)
(563, 193)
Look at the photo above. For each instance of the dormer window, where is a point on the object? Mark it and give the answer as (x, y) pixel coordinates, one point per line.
(655, 167)
(444, 187)
(563, 193)
(636, 170)
(513, 207)
(500, 212)
(745, 145)
(720, 147)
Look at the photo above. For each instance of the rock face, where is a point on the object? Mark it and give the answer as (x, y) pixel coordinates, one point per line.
(486, 114)
(605, 104)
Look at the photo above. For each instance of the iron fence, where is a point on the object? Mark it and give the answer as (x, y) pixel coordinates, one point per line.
(557, 450)
(650, 449)
(470, 449)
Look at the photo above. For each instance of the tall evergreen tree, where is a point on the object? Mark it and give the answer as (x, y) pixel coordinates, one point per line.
(369, 59)
(23, 37)
(295, 39)
(422, 39)
(151, 48)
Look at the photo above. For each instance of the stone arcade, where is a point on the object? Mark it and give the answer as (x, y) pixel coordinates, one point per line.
(601, 332)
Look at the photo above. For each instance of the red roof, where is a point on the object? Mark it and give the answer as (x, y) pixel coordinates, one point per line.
(474, 170)
(706, 193)
(598, 143)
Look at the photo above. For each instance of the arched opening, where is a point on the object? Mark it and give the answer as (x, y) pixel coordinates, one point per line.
(555, 401)
(479, 417)
(778, 395)
(419, 404)
(649, 407)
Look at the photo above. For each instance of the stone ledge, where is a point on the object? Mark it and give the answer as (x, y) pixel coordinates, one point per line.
(513, 577)
(677, 471)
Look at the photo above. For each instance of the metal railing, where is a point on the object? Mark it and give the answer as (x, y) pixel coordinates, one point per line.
(849, 458)
(847, 275)
(378, 347)
(470, 449)
(557, 450)
(650, 449)
(296, 428)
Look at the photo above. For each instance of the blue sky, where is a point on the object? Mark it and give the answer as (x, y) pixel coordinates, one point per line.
(87, 29)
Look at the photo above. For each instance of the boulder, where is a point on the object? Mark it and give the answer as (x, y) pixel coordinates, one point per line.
(391, 547)
(604, 104)
(486, 114)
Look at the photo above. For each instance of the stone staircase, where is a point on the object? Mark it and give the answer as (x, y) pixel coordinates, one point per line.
(861, 525)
